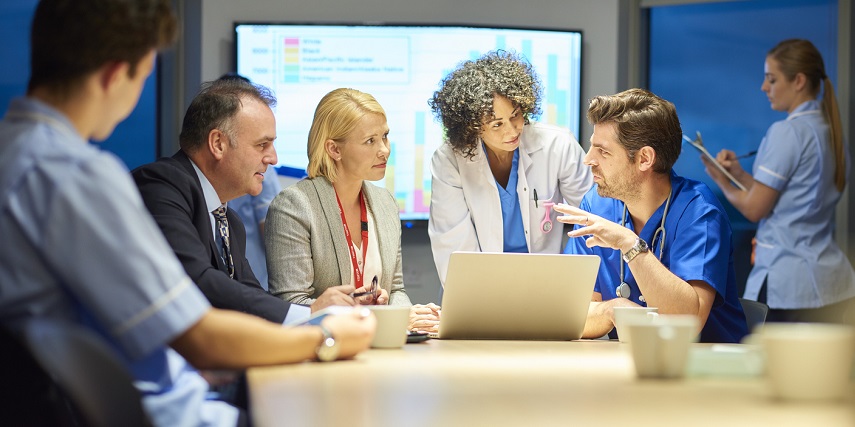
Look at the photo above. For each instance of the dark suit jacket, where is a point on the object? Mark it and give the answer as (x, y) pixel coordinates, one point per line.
(173, 194)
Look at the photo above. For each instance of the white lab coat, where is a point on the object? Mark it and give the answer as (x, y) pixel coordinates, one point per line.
(465, 209)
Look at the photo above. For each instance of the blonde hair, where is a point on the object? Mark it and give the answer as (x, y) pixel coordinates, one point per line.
(335, 117)
(796, 56)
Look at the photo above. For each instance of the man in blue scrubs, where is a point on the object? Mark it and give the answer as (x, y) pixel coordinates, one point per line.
(665, 241)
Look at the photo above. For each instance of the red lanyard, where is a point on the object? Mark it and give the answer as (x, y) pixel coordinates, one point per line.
(363, 216)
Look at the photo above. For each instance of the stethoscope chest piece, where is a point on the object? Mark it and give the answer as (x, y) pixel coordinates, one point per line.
(623, 290)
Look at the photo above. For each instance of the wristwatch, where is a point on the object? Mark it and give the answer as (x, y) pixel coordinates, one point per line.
(639, 247)
(328, 350)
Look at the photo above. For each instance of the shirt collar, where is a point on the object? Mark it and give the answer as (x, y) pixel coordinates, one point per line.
(212, 200)
(28, 108)
(811, 105)
(529, 140)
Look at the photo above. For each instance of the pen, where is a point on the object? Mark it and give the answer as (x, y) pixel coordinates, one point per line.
(746, 155)
(535, 196)
(372, 290)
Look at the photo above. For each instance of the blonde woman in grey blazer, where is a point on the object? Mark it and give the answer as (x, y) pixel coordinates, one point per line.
(314, 234)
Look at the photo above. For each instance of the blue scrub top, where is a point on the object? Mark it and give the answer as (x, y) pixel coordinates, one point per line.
(512, 225)
(796, 253)
(697, 247)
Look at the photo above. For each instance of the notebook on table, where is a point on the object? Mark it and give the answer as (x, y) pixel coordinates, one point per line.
(517, 296)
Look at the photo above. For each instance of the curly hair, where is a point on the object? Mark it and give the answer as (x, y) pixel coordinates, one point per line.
(464, 101)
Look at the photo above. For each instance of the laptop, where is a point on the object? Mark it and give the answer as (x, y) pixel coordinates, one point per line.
(517, 296)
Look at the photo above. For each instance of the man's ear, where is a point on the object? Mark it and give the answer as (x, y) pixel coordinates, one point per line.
(332, 149)
(111, 73)
(645, 158)
(217, 141)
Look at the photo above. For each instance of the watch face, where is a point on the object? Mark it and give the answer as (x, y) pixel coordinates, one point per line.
(640, 246)
(328, 351)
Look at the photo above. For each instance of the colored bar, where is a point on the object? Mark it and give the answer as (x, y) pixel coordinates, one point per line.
(421, 199)
(526, 49)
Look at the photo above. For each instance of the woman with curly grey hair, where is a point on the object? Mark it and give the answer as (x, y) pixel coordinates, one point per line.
(498, 174)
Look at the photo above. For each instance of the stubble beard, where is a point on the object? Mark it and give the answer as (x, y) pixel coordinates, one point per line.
(622, 187)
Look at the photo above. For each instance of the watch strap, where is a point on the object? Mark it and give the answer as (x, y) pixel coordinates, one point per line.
(639, 247)
(327, 350)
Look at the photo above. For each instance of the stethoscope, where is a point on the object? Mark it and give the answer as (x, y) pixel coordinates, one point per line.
(623, 290)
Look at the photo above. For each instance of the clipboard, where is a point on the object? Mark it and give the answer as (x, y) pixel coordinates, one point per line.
(698, 144)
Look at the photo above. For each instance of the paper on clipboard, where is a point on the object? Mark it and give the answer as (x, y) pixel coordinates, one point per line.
(699, 145)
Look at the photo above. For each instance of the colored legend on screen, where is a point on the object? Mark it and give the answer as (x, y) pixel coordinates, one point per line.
(291, 60)
(347, 60)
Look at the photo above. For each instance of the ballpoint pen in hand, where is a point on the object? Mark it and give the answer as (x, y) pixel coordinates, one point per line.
(746, 155)
(371, 291)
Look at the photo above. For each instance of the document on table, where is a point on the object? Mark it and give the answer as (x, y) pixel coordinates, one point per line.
(698, 144)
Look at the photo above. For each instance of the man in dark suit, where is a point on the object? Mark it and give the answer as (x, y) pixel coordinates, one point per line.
(226, 146)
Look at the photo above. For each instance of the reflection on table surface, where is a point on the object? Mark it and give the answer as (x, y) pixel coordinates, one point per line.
(526, 383)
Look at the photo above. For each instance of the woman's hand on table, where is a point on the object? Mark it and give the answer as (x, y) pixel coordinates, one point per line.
(424, 318)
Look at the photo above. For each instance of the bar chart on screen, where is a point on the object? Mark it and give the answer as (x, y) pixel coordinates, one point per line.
(401, 66)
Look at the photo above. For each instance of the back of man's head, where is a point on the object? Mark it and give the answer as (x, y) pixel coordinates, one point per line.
(214, 108)
(641, 119)
(70, 39)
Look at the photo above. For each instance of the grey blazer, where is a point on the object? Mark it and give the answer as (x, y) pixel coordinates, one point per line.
(306, 248)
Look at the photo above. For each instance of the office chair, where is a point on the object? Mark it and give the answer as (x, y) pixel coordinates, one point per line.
(87, 371)
(755, 312)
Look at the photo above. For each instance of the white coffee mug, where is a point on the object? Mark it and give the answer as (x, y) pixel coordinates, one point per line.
(808, 361)
(660, 347)
(636, 314)
(392, 321)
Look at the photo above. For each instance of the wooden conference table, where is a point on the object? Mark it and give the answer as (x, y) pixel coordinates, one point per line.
(516, 383)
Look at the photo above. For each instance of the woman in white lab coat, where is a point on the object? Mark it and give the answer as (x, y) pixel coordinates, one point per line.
(497, 175)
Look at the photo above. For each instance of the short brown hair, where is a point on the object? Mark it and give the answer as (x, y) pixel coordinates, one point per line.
(641, 119)
(72, 38)
(214, 107)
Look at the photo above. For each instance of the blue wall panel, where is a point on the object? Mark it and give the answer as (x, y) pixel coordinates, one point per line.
(708, 60)
(134, 140)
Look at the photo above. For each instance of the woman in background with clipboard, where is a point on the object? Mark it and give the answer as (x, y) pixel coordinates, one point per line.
(798, 178)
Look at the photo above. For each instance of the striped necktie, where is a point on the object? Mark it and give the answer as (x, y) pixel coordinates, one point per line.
(223, 232)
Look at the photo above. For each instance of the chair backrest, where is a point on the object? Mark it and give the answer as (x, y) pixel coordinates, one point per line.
(88, 371)
(28, 397)
(755, 312)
